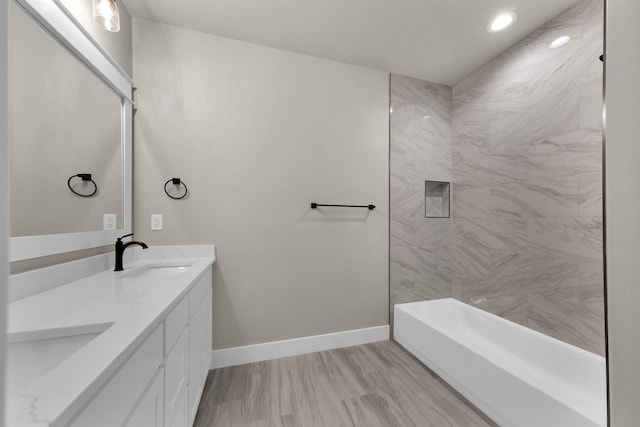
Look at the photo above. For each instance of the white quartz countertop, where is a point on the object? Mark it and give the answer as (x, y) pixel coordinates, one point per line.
(127, 309)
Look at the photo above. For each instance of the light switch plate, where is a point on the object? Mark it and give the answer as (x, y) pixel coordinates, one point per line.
(109, 221)
(156, 222)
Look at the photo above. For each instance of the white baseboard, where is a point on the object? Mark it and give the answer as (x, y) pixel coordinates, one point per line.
(293, 347)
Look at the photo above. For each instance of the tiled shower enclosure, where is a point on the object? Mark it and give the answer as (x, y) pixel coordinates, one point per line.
(521, 141)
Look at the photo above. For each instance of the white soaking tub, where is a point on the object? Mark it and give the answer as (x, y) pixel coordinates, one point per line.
(518, 377)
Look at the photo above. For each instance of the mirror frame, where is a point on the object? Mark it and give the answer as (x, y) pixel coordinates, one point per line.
(54, 18)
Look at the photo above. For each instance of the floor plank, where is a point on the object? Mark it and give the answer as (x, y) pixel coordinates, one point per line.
(371, 385)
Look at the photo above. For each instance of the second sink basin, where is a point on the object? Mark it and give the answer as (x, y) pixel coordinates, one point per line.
(158, 270)
(31, 355)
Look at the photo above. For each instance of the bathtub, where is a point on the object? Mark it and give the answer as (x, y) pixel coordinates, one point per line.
(516, 376)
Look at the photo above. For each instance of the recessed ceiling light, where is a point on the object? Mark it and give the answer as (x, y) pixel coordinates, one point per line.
(502, 21)
(560, 41)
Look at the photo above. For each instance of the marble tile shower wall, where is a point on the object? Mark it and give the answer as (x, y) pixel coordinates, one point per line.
(421, 138)
(527, 194)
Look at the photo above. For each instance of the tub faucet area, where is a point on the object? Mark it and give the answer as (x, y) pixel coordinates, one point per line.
(120, 248)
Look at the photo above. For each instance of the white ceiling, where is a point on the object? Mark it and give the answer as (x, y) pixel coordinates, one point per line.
(436, 40)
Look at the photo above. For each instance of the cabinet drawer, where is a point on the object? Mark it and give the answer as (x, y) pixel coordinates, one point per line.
(115, 401)
(175, 323)
(176, 375)
(199, 291)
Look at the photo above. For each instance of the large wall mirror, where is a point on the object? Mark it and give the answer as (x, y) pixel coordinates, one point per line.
(70, 115)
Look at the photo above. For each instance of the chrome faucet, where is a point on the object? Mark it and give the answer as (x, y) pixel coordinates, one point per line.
(120, 247)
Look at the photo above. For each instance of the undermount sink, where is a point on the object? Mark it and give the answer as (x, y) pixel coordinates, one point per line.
(158, 270)
(32, 355)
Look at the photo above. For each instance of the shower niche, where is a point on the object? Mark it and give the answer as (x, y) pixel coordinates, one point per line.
(437, 199)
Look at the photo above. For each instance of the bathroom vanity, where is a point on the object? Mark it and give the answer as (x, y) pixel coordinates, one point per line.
(128, 348)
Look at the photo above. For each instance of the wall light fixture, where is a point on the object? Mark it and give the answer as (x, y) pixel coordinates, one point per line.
(106, 15)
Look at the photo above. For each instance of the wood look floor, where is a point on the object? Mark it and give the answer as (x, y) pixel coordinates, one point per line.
(369, 385)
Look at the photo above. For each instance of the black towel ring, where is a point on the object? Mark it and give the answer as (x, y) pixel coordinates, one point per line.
(86, 177)
(176, 182)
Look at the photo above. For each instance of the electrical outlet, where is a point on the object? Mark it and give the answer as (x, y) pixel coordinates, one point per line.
(109, 221)
(156, 222)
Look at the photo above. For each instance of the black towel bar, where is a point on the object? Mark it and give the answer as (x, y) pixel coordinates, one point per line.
(370, 207)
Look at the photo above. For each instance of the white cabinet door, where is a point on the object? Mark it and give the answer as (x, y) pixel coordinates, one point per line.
(199, 353)
(150, 410)
(174, 325)
(207, 330)
(181, 418)
(196, 383)
(176, 376)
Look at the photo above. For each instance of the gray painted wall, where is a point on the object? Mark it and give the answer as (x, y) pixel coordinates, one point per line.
(622, 154)
(257, 134)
